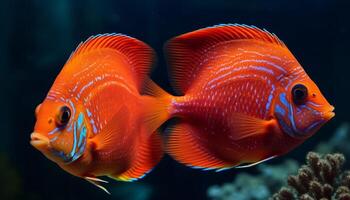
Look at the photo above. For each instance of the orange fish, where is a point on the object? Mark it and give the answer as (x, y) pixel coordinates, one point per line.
(246, 99)
(91, 122)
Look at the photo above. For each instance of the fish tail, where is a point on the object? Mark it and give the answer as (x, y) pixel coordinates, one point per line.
(158, 105)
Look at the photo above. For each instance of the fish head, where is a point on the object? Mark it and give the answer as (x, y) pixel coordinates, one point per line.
(301, 109)
(59, 132)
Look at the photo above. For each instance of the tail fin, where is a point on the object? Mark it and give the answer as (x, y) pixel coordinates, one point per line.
(157, 105)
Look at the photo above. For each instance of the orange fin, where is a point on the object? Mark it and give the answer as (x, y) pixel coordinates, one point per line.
(139, 54)
(147, 156)
(152, 89)
(185, 52)
(113, 130)
(157, 105)
(184, 145)
(246, 126)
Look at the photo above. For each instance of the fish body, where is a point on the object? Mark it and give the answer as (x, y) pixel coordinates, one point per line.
(244, 98)
(91, 121)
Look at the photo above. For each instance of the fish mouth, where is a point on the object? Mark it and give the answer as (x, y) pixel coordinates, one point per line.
(38, 140)
(328, 114)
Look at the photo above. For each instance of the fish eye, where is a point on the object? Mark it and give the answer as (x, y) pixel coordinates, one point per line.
(63, 116)
(299, 94)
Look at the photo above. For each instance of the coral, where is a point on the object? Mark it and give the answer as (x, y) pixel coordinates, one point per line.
(321, 178)
(240, 189)
(270, 179)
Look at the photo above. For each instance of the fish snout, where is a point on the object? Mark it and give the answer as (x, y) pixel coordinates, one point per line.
(38, 140)
(329, 113)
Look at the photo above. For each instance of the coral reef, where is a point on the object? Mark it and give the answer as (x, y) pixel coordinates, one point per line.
(240, 189)
(270, 179)
(321, 178)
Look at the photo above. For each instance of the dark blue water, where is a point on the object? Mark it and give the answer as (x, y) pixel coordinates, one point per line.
(37, 37)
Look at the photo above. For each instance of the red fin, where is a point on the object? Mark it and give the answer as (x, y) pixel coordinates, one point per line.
(113, 130)
(140, 55)
(246, 126)
(147, 156)
(184, 53)
(184, 146)
(157, 105)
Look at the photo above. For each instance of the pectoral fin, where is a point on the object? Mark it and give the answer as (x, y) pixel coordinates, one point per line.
(148, 153)
(245, 126)
(113, 130)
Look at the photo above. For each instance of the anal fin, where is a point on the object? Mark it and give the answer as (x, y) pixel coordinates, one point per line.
(184, 146)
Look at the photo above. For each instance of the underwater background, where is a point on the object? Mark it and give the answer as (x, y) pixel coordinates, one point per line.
(37, 37)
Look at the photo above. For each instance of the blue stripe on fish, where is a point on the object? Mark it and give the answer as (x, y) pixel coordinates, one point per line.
(280, 110)
(74, 141)
(80, 120)
(283, 100)
(268, 104)
(292, 121)
(82, 136)
(88, 113)
(53, 131)
(284, 126)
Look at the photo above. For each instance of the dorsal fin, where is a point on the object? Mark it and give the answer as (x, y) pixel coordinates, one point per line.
(184, 52)
(140, 56)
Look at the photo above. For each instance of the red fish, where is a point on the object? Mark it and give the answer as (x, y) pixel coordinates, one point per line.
(245, 98)
(91, 122)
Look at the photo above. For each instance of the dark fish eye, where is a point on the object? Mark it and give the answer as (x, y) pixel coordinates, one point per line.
(63, 116)
(299, 94)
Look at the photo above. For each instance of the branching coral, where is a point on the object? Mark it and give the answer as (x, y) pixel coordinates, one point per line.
(321, 178)
(272, 177)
